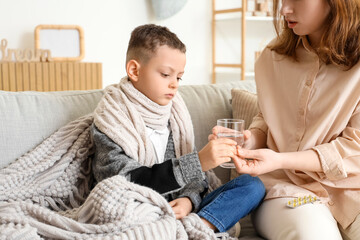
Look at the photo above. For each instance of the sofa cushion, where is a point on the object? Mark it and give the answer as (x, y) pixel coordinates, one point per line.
(27, 118)
(244, 105)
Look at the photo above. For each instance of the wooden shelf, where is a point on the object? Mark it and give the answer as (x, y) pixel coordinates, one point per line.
(228, 65)
(230, 10)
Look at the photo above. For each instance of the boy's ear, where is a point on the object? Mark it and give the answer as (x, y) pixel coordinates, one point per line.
(132, 70)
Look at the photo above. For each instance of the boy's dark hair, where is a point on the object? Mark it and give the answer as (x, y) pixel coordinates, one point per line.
(145, 40)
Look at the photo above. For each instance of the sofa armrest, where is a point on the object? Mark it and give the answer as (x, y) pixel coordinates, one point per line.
(28, 118)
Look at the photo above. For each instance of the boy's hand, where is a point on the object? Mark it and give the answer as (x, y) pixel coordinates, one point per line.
(216, 152)
(181, 207)
(247, 137)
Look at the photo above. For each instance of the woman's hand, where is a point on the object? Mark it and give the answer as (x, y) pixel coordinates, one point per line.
(248, 143)
(257, 162)
(181, 207)
(216, 152)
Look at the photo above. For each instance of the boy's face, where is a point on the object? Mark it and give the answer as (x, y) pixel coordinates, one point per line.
(158, 79)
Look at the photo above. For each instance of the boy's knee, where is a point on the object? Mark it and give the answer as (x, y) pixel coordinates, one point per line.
(254, 185)
(246, 179)
(259, 186)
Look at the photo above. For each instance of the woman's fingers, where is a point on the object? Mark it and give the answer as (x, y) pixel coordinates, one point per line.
(248, 154)
(245, 166)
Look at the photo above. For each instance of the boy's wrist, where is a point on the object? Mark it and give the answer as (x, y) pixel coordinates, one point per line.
(192, 205)
(191, 168)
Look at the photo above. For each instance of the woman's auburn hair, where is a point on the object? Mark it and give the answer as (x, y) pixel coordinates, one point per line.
(340, 43)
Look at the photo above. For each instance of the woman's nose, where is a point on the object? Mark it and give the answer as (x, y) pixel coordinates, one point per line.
(286, 8)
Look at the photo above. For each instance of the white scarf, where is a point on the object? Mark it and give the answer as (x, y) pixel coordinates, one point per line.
(123, 114)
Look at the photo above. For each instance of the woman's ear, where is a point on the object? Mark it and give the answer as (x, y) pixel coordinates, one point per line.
(132, 70)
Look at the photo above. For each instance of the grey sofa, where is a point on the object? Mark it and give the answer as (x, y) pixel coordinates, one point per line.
(27, 118)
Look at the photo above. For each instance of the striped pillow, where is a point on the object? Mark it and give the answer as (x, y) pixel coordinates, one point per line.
(244, 105)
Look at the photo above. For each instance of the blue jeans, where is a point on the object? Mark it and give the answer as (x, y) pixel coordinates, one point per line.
(227, 204)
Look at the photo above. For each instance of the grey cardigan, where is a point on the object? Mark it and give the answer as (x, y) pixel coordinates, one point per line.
(174, 178)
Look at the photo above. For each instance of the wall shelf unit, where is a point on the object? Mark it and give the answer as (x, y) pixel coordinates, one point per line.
(215, 64)
(238, 55)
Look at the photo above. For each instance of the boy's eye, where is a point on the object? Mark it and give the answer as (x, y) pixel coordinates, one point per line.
(179, 78)
(165, 75)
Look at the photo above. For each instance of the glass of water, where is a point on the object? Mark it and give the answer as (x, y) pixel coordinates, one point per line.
(232, 129)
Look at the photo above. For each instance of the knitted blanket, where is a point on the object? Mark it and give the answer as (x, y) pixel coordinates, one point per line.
(45, 194)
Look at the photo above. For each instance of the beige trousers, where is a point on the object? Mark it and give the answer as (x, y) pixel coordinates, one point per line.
(275, 221)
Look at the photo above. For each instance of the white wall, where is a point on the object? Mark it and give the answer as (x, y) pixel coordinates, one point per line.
(107, 26)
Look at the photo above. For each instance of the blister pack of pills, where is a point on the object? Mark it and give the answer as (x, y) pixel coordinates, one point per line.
(297, 202)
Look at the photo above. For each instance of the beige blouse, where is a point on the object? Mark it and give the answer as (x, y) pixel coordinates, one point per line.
(310, 105)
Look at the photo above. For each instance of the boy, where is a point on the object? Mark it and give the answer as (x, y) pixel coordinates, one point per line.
(142, 130)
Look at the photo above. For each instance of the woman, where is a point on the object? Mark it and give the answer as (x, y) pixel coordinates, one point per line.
(307, 133)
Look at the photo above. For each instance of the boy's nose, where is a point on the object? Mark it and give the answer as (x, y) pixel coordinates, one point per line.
(174, 84)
